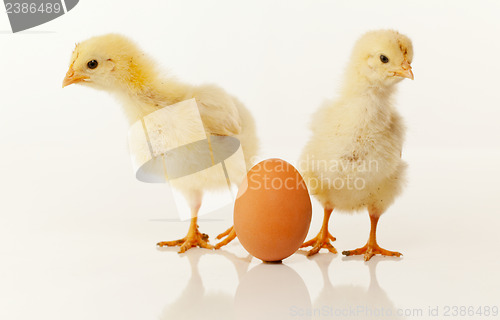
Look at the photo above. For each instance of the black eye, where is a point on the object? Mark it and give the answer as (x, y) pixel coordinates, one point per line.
(92, 64)
(384, 59)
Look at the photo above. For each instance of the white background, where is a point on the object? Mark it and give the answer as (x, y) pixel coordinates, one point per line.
(77, 232)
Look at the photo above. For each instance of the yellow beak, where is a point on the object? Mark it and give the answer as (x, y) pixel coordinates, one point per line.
(405, 70)
(72, 77)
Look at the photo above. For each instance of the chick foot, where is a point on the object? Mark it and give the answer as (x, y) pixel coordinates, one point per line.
(230, 235)
(194, 238)
(322, 240)
(369, 250)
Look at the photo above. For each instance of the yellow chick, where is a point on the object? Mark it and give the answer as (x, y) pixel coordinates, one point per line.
(353, 159)
(115, 64)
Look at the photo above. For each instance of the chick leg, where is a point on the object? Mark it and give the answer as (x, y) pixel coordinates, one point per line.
(230, 235)
(194, 238)
(322, 240)
(372, 248)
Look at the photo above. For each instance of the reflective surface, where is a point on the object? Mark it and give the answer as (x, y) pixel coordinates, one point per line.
(64, 256)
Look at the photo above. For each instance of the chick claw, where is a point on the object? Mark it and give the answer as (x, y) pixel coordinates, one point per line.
(369, 250)
(230, 235)
(320, 241)
(195, 239)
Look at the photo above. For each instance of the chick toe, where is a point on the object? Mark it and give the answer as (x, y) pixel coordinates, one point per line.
(193, 239)
(369, 250)
(322, 240)
(230, 235)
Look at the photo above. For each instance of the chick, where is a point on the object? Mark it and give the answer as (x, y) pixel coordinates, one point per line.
(115, 64)
(353, 159)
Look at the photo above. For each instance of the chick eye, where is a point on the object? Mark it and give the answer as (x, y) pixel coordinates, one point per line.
(92, 64)
(384, 59)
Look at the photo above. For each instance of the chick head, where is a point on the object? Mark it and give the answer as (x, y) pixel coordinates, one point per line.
(383, 57)
(108, 62)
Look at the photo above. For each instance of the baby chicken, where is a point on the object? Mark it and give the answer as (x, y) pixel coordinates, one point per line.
(115, 64)
(353, 159)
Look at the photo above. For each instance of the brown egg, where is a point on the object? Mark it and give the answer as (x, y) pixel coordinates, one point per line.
(272, 212)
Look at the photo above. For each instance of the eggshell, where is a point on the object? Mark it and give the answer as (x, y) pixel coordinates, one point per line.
(272, 212)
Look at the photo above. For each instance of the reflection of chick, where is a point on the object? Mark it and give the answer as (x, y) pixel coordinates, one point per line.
(353, 160)
(115, 64)
(341, 301)
(208, 305)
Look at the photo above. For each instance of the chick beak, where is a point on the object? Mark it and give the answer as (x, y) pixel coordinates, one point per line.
(405, 70)
(72, 77)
